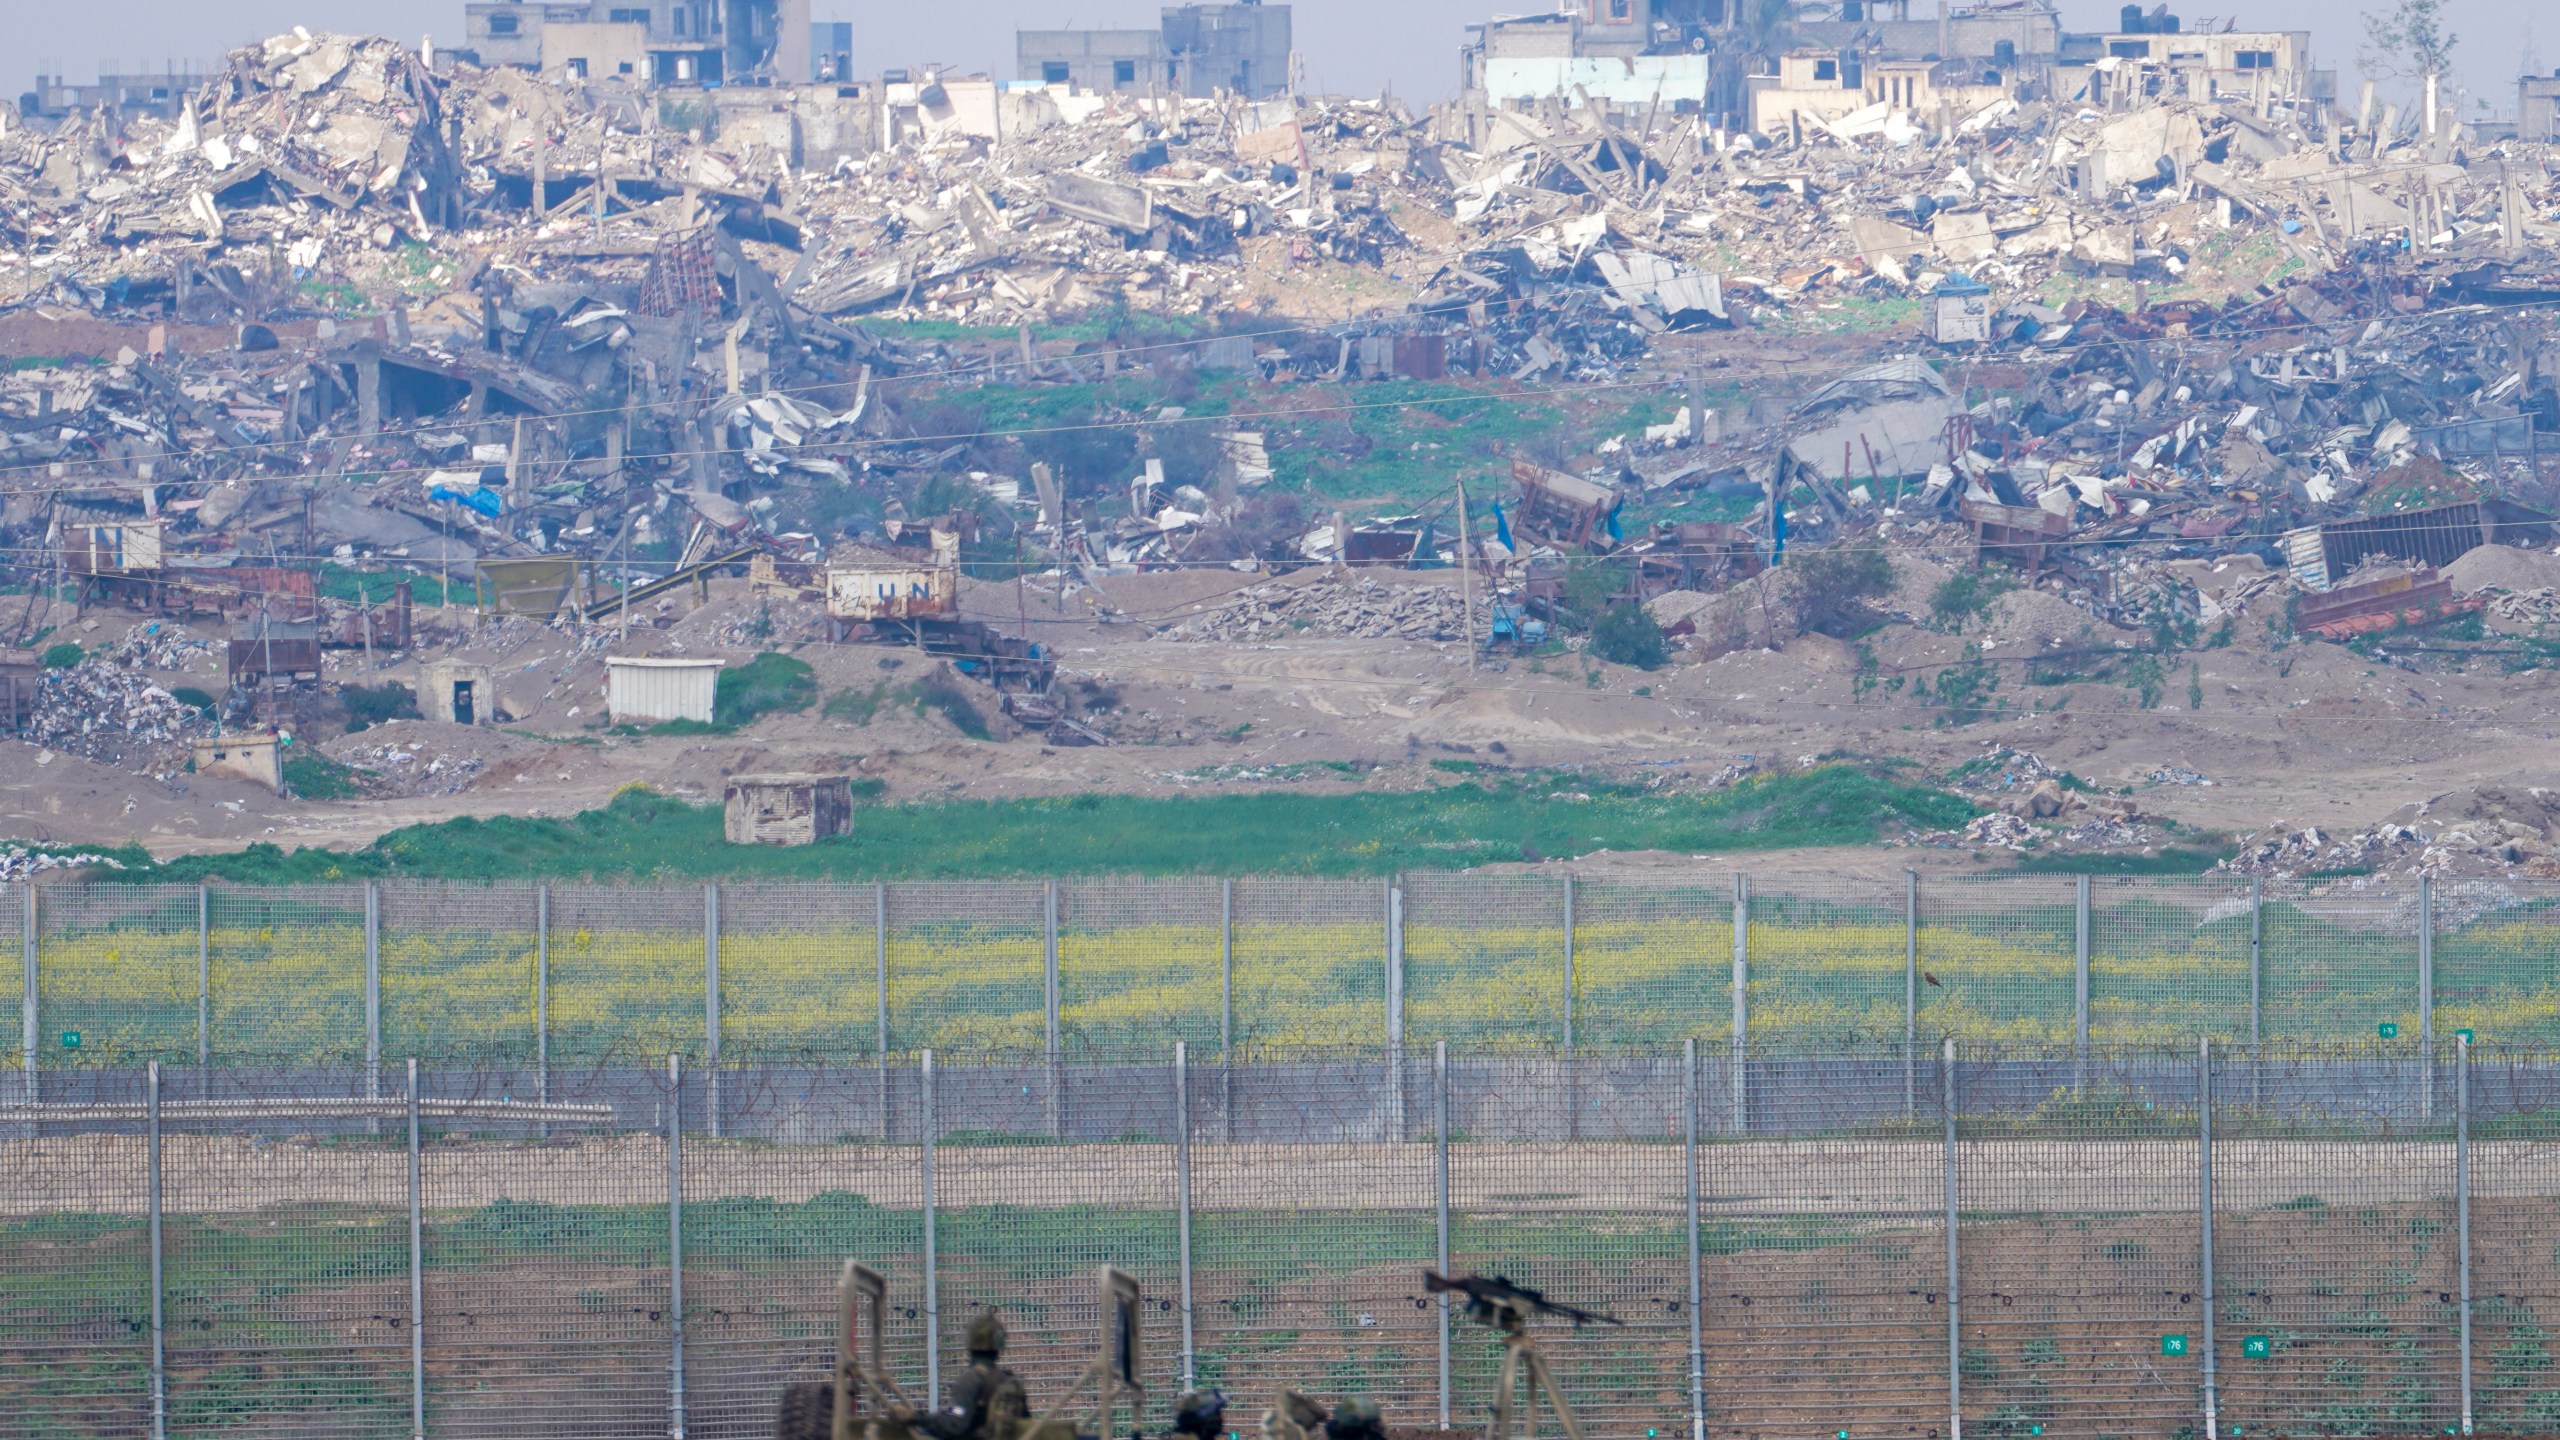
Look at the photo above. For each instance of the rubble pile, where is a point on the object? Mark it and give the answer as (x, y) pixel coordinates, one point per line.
(398, 769)
(17, 862)
(2483, 831)
(105, 708)
(1357, 608)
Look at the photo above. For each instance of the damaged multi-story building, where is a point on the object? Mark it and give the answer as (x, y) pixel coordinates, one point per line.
(1196, 51)
(1825, 60)
(668, 42)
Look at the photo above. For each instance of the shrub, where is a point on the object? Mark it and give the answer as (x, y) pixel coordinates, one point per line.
(62, 656)
(1626, 634)
(1830, 588)
(1964, 597)
(370, 705)
(770, 684)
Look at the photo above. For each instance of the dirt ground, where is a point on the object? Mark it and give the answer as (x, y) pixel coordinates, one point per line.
(2305, 733)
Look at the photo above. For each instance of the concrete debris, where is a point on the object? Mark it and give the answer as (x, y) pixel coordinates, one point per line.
(19, 863)
(1332, 607)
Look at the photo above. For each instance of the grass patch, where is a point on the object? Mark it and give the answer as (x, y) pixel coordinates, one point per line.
(62, 656)
(770, 684)
(315, 776)
(645, 834)
(937, 693)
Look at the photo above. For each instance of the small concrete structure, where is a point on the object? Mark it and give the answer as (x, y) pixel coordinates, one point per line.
(252, 755)
(1960, 311)
(648, 689)
(458, 692)
(786, 809)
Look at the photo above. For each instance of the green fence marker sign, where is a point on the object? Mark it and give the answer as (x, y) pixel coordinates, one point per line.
(70, 1039)
(2256, 1347)
(2173, 1344)
(2465, 1036)
(2387, 1030)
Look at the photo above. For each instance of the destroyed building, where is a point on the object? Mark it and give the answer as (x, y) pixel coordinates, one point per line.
(1241, 48)
(666, 42)
(55, 96)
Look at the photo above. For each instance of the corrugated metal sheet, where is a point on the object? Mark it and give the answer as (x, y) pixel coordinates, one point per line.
(646, 690)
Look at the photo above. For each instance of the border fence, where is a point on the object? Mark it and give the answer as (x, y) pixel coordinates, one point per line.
(1990, 1238)
(549, 978)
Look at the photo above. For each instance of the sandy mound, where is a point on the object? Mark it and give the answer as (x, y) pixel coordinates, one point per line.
(2503, 567)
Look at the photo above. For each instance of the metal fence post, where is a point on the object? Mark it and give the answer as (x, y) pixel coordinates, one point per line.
(542, 994)
(2462, 1202)
(417, 1276)
(1049, 1000)
(27, 1002)
(1910, 994)
(1440, 1201)
(1955, 1276)
(2427, 997)
(2204, 1223)
(2080, 983)
(1395, 1010)
(1697, 1283)
(1182, 1191)
(880, 996)
(675, 1246)
(1227, 1010)
(373, 999)
(932, 1281)
(2257, 982)
(1572, 1072)
(1740, 1113)
(711, 1004)
(159, 1311)
(204, 994)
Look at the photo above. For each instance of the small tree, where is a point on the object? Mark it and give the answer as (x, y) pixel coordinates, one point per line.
(1626, 634)
(2409, 41)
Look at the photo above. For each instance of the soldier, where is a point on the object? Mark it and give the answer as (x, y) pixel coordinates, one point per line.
(987, 1399)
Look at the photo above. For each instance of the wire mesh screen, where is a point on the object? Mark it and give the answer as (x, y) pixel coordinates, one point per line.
(2493, 970)
(1310, 965)
(544, 1262)
(547, 1280)
(287, 1268)
(2168, 959)
(2001, 955)
(799, 972)
(626, 973)
(287, 974)
(75, 1275)
(1528, 1204)
(2077, 1185)
(2340, 958)
(1828, 962)
(458, 970)
(1650, 961)
(2515, 1237)
(1140, 965)
(967, 967)
(1484, 960)
(117, 974)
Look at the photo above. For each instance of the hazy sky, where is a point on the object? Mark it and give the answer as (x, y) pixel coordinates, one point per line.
(1351, 45)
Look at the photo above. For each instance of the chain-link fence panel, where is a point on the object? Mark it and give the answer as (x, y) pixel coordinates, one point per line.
(1310, 965)
(75, 1270)
(1653, 965)
(458, 971)
(545, 1264)
(1525, 1203)
(2515, 1238)
(1024, 1224)
(2334, 1242)
(1828, 962)
(1310, 1231)
(1822, 1261)
(2080, 1240)
(287, 1265)
(1141, 964)
(968, 967)
(2168, 959)
(2494, 944)
(799, 973)
(1485, 961)
(1998, 959)
(627, 973)
(286, 970)
(2340, 958)
(118, 975)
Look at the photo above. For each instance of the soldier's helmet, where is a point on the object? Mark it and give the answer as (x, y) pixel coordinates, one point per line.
(1356, 1418)
(986, 1334)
